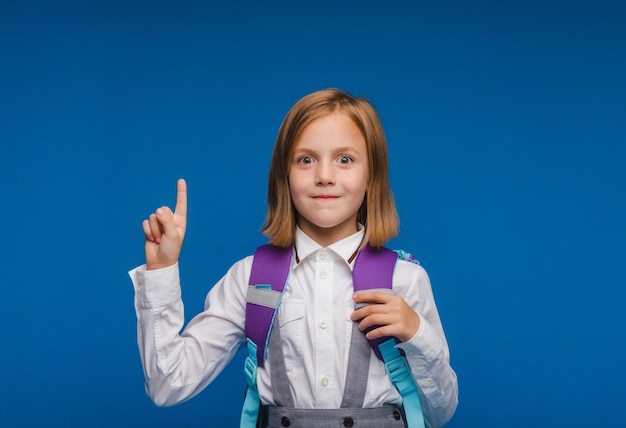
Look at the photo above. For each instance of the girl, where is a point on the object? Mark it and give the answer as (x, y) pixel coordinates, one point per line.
(328, 197)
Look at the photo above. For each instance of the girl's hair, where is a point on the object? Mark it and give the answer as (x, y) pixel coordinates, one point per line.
(378, 211)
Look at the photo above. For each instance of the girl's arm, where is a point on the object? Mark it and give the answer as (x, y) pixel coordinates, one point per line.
(179, 365)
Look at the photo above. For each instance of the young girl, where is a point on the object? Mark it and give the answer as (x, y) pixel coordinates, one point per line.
(328, 197)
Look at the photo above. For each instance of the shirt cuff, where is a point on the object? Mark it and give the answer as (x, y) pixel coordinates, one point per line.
(155, 288)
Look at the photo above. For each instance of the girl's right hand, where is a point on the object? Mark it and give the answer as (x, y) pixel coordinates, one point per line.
(165, 231)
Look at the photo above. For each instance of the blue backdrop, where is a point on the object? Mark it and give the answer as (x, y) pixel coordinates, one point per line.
(506, 127)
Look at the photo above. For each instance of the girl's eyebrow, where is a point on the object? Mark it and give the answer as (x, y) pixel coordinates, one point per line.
(347, 149)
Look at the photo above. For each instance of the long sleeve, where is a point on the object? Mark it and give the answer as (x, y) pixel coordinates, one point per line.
(178, 365)
(427, 352)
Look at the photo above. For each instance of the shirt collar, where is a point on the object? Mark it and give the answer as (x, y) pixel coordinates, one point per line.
(345, 248)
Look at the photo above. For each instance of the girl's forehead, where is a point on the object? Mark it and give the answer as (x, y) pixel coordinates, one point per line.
(330, 130)
(332, 122)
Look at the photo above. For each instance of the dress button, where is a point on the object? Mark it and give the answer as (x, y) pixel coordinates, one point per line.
(323, 324)
(323, 275)
(324, 381)
(284, 421)
(348, 422)
(396, 415)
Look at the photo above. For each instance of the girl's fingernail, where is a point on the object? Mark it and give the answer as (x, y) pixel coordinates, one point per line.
(159, 211)
(158, 240)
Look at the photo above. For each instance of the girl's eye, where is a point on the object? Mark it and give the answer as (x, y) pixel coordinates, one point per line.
(306, 160)
(344, 160)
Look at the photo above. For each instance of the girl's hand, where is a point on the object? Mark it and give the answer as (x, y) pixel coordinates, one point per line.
(165, 231)
(392, 315)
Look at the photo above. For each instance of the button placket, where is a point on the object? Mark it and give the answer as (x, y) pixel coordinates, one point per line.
(324, 358)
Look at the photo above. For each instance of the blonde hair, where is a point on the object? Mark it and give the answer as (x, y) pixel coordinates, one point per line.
(377, 213)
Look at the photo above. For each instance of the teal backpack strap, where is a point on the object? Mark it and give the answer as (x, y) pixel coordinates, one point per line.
(400, 375)
(250, 411)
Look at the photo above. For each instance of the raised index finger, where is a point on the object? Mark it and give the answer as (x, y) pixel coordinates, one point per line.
(181, 198)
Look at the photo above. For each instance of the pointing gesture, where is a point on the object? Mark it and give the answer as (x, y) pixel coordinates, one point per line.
(165, 231)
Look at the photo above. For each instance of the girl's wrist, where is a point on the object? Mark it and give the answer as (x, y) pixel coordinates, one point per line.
(155, 266)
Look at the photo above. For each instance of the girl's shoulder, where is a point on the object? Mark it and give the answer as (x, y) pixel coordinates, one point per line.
(239, 271)
(243, 266)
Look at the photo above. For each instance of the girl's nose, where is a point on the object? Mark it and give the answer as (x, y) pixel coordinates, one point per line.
(324, 174)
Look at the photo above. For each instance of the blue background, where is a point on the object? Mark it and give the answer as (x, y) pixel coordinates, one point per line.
(507, 133)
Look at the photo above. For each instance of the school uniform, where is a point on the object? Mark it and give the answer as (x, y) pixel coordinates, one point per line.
(315, 328)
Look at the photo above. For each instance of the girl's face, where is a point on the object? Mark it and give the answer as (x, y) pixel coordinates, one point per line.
(328, 176)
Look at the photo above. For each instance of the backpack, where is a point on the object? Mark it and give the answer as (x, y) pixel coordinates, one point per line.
(373, 270)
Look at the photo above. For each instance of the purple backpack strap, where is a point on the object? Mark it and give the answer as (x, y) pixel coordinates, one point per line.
(270, 269)
(373, 270)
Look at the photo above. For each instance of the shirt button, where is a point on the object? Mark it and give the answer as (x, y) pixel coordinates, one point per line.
(284, 421)
(323, 324)
(425, 383)
(324, 381)
(323, 275)
(348, 422)
(322, 254)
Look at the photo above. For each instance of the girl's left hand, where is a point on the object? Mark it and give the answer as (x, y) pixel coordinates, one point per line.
(391, 313)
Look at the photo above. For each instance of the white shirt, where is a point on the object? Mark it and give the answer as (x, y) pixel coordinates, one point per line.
(315, 329)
